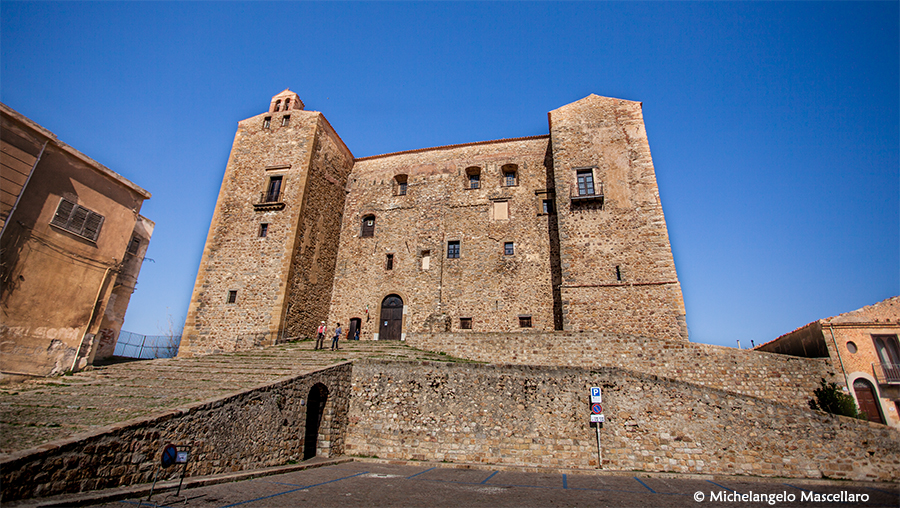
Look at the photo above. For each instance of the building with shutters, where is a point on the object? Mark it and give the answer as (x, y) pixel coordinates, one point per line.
(71, 248)
(863, 347)
(562, 231)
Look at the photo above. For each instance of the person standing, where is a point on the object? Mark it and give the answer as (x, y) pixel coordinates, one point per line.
(337, 335)
(320, 336)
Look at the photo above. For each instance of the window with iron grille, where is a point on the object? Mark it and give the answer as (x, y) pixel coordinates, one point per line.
(509, 248)
(585, 182)
(453, 250)
(465, 323)
(77, 219)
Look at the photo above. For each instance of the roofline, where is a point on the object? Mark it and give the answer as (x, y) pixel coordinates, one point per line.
(31, 124)
(445, 147)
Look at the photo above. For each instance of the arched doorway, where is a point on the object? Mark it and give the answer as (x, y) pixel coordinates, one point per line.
(868, 401)
(391, 324)
(315, 408)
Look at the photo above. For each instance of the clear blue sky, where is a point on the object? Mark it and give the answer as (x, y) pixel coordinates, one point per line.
(773, 126)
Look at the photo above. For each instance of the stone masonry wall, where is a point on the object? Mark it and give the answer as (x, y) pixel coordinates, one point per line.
(539, 416)
(253, 429)
(786, 379)
(484, 283)
(618, 274)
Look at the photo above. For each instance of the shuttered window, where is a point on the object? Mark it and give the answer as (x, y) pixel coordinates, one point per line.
(77, 219)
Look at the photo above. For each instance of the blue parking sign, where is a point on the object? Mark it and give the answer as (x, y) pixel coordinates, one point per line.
(596, 395)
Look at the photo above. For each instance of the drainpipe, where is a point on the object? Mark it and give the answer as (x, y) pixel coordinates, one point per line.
(836, 348)
(93, 314)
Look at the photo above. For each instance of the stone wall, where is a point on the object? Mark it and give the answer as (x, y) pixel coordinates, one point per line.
(539, 416)
(253, 429)
(780, 378)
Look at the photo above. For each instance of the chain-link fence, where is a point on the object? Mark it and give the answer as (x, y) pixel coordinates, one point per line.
(135, 345)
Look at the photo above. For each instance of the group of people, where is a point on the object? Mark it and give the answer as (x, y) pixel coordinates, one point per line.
(323, 329)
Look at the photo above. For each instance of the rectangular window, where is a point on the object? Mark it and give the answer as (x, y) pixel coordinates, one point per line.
(508, 248)
(77, 219)
(452, 250)
(401, 189)
(263, 230)
(274, 190)
(500, 210)
(285, 120)
(232, 297)
(389, 262)
(524, 321)
(426, 259)
(474, 181)
(547, 206)
(134, 245)
(509, 178)
(267, 122)
(465, 323)
(585, 182)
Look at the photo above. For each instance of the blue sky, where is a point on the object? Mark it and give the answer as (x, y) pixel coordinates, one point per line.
(774, 127)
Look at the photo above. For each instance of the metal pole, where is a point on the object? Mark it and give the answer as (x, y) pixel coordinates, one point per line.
(599, 450)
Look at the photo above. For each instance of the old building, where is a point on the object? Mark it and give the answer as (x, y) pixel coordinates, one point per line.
(863, 345)
(71, 245)
(563, 231)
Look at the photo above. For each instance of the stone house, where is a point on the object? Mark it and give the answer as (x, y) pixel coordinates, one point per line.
(863, 345)
(563, 231)
(71, 245)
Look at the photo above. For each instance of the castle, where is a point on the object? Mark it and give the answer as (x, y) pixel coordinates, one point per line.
(563, 231)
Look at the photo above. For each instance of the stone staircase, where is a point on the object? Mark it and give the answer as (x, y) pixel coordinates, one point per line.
(39, 411)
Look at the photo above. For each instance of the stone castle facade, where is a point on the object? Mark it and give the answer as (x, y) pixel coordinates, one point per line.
(563, 231)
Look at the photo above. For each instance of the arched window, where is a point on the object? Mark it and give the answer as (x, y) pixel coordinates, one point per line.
(510, 175)
(400, 182)
(278, 105)
(368, 226)
(474, 175)
(287, 104)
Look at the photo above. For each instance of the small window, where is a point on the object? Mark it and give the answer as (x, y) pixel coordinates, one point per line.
(618, 273)
(426, 259)
(368, 226)
(389, 262)
(77, 219)
(465, 323)
(851, 346)
(287, 104)
(285, 120)
(524, 321)
(232, 296)
(508, 249)
(547, 206)
(453, 250)
(273, 192)
(134, 245)
(263, 230)
(585, 182)
(474, 174)
(267, 122)
(278, 105)
(509, 175)
(400, 185)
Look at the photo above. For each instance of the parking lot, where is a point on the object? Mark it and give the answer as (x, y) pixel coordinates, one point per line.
(364, 483)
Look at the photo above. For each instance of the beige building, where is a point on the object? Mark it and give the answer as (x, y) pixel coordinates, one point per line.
(71, 245)
(563, 231)
(863, 345)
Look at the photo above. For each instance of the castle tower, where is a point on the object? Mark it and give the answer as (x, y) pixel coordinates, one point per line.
(268, 264)
(618, 274)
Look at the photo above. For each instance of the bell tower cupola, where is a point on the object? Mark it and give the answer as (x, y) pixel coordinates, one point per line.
(285, 101)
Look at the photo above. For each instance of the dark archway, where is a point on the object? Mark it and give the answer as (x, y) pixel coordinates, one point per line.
(391, 325)
(315, 408)
(355, 326)
(868, 400)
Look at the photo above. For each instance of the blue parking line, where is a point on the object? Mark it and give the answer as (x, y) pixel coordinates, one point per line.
(644, 484)
(796, 487)
(293, 490)
(565, 481)
(489, 477)
(421, 472)
(720, 486)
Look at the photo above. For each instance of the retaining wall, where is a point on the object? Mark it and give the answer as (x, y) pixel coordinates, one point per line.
(539, 416)
(252, 429)
(770, 376)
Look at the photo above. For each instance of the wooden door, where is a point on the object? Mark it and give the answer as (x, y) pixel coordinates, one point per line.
(391, 324)
(868, 403)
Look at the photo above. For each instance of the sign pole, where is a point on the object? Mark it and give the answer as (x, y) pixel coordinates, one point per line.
(599, 450)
